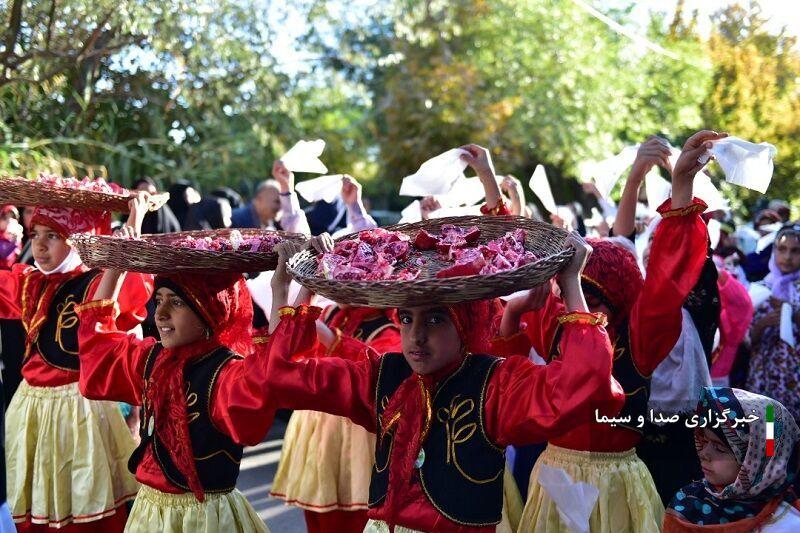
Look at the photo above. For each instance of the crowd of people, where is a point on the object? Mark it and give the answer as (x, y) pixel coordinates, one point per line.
(651, 385)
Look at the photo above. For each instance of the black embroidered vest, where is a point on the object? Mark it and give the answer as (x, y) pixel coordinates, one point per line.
(367, 330)
(57, 341)
(635, 385)
(216, 456)
(462, 470)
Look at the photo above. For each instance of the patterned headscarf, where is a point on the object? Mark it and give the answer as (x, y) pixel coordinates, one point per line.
(66, 220)
(223, 303)
(762, 483)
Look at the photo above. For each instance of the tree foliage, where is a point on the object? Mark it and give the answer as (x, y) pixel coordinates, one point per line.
(194, 90)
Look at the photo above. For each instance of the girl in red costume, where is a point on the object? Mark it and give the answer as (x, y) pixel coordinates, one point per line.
(645, 322)
(65, 454)
(202, 394)
(442, 414)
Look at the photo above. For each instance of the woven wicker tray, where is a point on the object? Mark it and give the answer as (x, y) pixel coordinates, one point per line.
(23, 191)
(156, 254)
(544, 240)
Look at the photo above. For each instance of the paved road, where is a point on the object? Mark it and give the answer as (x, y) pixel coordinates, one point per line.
(255, 481)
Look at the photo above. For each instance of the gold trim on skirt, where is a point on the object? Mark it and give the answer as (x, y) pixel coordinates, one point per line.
(628, 500)
(66, 456)
(156, 511)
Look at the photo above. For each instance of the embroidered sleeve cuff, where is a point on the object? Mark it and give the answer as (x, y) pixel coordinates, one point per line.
(697, 206)
(261, 339)
(500, 209)
(303, 310)
(579, 317)
(97, 307)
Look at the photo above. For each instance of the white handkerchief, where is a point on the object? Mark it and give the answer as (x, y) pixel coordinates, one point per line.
(574, 501)
(786, 333)
(745, 164)
(541, 188)
(304, 157)
(457, 211)
(436, 175)
(465, 191)
(607, 172)
(706, 191)
(325, 188)
(657, 188)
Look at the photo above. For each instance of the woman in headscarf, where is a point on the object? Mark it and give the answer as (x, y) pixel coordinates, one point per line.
(442, 412)
(203, 397)
(775, 331)
(65, 454)
(747, 484)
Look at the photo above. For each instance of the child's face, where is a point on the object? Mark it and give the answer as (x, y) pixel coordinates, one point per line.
(48, 247)
(429, 337)
(177, 324)
(787, 253)
(719, 464)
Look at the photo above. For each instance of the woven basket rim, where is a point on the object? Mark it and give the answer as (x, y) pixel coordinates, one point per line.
(28, 192)
(368, 289)
(155, 254)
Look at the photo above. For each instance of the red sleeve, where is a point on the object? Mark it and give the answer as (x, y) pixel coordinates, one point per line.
(112, 362)
(11, 291)
(537, 330)
(136, 291)
(330, 384)
(677, 256)
(528, 403)
(242, 406)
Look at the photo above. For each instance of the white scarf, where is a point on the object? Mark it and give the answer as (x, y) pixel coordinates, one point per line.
(677, 381)
(70, 263)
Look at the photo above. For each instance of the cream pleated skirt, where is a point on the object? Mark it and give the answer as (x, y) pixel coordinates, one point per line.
(325, 464)
(66, 456)
(156, 511)
(627, 502)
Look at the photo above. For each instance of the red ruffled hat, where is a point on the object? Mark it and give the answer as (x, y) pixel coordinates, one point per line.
(613, 276)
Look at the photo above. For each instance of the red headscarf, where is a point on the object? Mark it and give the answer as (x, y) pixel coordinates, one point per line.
(613, 276)
(223, 303)
(66, 220)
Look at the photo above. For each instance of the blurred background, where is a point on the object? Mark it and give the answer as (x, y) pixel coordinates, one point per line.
(213, 91)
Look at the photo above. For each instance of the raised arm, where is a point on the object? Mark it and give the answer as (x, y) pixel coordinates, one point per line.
(679, 249)
(481, 162)
(357, 217)
(112, 362)
(528, 403)
(242, 405)
(293, 219)
(331, 384)
(651, 152)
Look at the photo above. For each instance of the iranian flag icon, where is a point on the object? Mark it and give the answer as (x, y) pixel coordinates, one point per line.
(770, 430)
